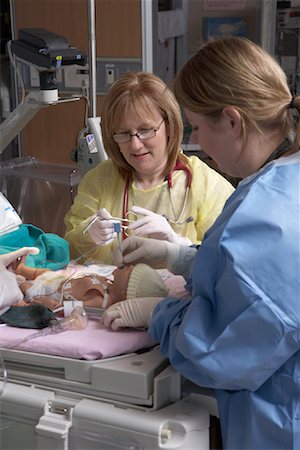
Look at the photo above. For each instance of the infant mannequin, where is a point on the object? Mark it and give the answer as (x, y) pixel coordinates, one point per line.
(51, 288)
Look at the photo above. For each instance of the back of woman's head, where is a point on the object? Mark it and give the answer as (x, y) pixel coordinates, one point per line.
(140, 95)
(235, 71)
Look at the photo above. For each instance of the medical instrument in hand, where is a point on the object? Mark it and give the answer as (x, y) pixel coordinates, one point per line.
(177, 220)
(100, 231)
(78, 320)
(119, 219)
(117, 228)
(90, 224)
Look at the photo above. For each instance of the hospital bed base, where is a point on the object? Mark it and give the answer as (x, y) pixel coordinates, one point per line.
(55, 403)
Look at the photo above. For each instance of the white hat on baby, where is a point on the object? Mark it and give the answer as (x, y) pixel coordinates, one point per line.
(145, 282)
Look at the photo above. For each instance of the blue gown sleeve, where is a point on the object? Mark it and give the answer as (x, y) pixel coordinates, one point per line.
(243, 322)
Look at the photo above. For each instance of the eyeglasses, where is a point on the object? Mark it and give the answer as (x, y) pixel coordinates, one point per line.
(143, 135)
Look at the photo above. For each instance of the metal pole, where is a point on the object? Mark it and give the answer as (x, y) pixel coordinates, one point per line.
(92, 58)
(15, 93)
(147, 7)
(268, 25)
(94, 121)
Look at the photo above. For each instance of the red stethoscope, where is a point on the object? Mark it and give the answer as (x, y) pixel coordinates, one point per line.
(178, 166)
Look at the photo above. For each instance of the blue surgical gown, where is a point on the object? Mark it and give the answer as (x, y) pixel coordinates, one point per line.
(240, 332)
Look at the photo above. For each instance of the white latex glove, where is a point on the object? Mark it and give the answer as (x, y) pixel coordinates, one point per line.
(137, 249)
(8, 258)
(10, 292)
(102, 231)
(154, 225)
(157, 254)
(133, 313)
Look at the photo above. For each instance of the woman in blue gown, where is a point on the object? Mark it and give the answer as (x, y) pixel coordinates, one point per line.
(240, 331)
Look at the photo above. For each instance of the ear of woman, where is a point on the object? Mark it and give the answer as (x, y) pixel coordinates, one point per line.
(234, 120)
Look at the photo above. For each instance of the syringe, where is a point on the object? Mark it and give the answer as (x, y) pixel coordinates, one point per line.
(117, 229)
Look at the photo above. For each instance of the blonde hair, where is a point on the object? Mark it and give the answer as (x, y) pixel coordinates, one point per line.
(141, 94)
(234, 71)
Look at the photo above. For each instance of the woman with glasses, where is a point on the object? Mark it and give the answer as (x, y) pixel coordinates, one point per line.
(147, 184)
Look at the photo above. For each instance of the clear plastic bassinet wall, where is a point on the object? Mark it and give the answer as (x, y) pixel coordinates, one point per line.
(40, 192)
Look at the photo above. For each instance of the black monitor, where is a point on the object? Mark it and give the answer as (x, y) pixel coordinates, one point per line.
(46, 49)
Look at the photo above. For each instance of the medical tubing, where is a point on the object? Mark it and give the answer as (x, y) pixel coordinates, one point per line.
(60, 302)
(78, 320)
(40, 333)
(86, 253)
(72, 276)
(17, 71)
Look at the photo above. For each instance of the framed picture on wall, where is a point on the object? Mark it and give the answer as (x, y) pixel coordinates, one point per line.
(224, 26)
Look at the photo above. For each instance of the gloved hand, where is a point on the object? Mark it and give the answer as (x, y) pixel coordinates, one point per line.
(155, 253)
(102, 231)
(10, 293)
(133, 313)
(154, 225)
(9, 258)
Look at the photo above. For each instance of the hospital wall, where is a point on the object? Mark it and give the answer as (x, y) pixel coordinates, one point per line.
(51, 134)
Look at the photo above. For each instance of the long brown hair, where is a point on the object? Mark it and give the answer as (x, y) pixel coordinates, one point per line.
(141, 94)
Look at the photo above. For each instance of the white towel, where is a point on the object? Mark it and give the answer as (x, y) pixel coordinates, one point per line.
(171, 24)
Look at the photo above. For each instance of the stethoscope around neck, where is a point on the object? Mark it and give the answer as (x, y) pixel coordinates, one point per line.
(177, 221)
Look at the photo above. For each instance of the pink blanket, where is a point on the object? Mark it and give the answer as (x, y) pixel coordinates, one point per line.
(94, 342)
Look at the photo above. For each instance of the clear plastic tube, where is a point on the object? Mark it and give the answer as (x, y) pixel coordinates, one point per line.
(78, 320)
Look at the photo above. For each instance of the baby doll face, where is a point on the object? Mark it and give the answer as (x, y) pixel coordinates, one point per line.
(117, 291)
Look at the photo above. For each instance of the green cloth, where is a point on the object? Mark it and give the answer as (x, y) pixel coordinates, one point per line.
(54, 250)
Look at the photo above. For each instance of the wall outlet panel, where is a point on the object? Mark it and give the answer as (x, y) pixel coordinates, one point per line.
(109, 69)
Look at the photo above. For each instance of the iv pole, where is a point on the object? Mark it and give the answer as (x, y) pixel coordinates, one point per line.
(92, 56)
(94, 122)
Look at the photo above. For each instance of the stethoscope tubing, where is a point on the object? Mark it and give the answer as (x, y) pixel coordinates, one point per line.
(125, 221)
(189, 176)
